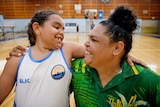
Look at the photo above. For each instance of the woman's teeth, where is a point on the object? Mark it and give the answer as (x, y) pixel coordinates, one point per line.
(86, 52)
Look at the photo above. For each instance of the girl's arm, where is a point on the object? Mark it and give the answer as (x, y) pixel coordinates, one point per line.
(76, 50)
(131, 60)
(8, 77)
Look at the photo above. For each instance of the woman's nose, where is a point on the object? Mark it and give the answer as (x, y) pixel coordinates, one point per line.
(86, 43)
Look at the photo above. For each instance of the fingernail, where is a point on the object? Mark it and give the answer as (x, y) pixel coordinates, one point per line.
(19, 54)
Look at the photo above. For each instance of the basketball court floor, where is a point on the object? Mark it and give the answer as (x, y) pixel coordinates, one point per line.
(146, 47)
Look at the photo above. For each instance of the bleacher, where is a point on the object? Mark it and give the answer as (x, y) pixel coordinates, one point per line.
(6, 27)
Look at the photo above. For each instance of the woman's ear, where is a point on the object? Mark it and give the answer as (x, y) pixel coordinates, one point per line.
(36, 27)
(118, 48)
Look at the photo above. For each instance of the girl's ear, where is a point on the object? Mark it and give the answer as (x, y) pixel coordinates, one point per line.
(36, 27)
(119, 47)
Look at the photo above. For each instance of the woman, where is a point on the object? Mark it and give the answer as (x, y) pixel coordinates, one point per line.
(111, 82)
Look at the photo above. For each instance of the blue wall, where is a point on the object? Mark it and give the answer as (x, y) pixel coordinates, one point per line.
(84, 24)
(20, 24)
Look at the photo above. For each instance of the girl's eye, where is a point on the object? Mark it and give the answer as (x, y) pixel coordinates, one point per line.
(56, 27)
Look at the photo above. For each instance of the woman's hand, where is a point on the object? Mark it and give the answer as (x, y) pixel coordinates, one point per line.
(17, 51)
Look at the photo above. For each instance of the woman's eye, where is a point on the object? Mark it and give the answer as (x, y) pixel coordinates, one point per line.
(93, 40)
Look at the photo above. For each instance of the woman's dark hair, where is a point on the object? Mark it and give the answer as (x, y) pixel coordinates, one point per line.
(40, 17)
(120, 26)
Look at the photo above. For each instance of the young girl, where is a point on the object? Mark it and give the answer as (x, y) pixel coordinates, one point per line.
(43, 75)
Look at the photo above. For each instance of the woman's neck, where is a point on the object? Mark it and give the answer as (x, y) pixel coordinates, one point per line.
(107, 72)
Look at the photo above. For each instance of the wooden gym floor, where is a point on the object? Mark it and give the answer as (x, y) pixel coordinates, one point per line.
(146, 47)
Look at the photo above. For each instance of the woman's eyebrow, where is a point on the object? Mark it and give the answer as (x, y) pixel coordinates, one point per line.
(95, 36)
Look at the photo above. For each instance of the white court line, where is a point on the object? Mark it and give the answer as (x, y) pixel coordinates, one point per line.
(2, 64)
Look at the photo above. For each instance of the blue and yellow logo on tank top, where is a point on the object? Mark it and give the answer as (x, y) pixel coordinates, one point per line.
(58, 72)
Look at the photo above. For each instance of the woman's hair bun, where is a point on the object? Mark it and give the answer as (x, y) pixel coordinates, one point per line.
(124, 17)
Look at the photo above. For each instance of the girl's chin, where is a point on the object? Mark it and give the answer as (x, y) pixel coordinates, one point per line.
(59, 46)
(56, 48)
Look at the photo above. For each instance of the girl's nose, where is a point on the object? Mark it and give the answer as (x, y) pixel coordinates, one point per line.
(61, 32)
